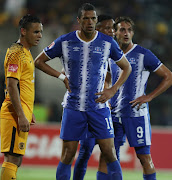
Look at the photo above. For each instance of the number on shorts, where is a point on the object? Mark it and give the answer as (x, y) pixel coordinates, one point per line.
(109, 123)
(139, 132)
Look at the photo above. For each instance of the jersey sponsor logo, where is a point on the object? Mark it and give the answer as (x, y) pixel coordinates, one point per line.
(51, 45)
(97, 50)
(76, 48)
(132, 61)
(13, 68)
(21, 146)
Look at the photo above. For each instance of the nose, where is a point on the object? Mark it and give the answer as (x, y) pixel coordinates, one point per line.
(40, 35)
(126, 33)
(89, 21)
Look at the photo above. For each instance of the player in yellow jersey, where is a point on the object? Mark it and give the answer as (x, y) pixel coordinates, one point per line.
(17, 108)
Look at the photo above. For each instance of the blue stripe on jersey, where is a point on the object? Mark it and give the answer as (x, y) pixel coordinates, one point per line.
(142, 61)
(85, 65)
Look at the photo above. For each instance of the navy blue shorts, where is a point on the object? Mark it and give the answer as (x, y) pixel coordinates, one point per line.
(75, 124)
(136, 129)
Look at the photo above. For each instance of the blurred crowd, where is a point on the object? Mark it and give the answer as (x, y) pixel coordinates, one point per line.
(153, 19)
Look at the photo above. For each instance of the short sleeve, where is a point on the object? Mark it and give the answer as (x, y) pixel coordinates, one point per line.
(54, 49)
(151, 62)
(14, 65)
(115, 52)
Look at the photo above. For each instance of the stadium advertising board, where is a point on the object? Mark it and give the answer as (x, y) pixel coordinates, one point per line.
(44, 148)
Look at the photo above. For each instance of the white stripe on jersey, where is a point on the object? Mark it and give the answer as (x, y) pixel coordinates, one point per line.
(65, 56)
(141, 80)
(103, 71)
(66, 59)
(139, 90)
(84, 74)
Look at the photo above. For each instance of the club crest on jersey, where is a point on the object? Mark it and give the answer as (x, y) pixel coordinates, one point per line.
(97, 50)
(21, 146)
(132, 61)
(13, 68)
(51, 45)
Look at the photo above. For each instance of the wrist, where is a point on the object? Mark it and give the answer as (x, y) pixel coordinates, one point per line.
(62, 77)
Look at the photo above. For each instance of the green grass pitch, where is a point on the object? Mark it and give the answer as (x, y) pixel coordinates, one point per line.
(38, 173)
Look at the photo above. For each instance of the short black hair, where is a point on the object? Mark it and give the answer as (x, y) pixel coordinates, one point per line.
(26, 20)
(125, 19)
(104, 17)
(85, 7)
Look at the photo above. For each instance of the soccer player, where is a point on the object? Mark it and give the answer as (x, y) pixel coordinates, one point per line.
(105, 25)
(17, 108)
(84, 55)
(130, 112)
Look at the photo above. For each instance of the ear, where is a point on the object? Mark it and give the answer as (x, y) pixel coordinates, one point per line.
(96, 19)
(78, 20)
(23, 31)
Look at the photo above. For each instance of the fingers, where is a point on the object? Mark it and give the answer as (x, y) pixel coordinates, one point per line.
(69, 89)
(24, 128)
(99, 93)
(66, 82)
(101, 99)
(33, 121)
(136, 103)
(133, 104)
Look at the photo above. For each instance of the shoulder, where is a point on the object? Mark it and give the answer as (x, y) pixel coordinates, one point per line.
(16, 48)
(16, 51)
(105, 37)
(142, 50)
(68, 36)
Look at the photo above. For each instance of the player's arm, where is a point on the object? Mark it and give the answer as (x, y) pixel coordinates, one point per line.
(15, 99)
(40, 63)
(126, 70)
(166, 82)
(107, 80)
(109, 93)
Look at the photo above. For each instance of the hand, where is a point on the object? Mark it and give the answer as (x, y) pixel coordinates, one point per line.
(33, 121)
(23, 124)
(140, 100)
(105, 95)
(66, 82)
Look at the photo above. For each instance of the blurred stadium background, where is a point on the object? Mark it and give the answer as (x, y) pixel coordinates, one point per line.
(153, 19)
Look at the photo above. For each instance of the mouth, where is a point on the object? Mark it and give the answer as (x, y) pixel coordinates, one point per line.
(126, 38)
(90, 28)
(37, 41)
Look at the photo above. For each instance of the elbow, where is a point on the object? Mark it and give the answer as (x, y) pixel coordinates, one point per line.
(171, 79)
(37, 63)
(168, 79)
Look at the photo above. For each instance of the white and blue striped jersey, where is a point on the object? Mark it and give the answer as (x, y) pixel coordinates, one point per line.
(143, 61)
(85, 65)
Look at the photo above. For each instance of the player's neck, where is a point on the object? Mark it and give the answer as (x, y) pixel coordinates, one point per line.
(126, 47)
(86, 36)
(24, 43)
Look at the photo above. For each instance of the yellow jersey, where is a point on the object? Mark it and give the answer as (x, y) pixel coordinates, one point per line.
(19, 64)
